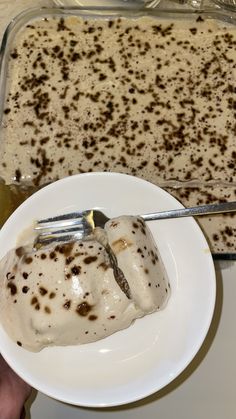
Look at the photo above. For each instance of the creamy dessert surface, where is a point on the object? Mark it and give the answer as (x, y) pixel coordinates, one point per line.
(145, 96)
(71, 293)
(149, 97)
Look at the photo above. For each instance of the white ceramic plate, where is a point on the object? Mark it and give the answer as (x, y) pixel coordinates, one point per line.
(140, 360)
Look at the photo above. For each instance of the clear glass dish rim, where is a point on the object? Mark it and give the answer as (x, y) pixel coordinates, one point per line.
(22, 18)
(213, 12)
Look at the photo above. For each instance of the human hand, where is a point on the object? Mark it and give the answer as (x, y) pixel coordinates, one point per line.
(13, 392)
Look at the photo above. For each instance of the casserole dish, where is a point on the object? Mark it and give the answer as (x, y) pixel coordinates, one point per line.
(147, 92)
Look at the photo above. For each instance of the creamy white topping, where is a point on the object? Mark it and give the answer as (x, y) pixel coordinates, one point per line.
(142, 96)
(71, 294)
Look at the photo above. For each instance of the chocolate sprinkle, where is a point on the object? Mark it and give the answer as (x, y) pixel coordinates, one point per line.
(83, 309)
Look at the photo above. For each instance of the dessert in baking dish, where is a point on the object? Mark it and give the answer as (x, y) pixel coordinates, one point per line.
(147, 96)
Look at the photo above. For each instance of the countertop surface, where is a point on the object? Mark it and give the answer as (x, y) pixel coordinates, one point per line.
(206, 389)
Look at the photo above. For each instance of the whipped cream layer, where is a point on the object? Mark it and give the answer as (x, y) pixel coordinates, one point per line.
(145, 96)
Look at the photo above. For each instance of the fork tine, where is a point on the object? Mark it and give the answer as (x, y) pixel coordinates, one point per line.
(59, 224)
(84, 230)
(68, 227)
(63, 217)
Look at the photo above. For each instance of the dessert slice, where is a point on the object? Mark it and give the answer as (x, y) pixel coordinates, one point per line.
(82, 291)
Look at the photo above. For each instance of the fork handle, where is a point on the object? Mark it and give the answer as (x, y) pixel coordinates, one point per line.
(188, 212)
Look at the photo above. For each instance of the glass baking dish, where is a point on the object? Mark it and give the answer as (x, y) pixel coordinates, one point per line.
(157, 104)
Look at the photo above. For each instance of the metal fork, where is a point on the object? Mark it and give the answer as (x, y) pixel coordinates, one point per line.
(78, 225)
